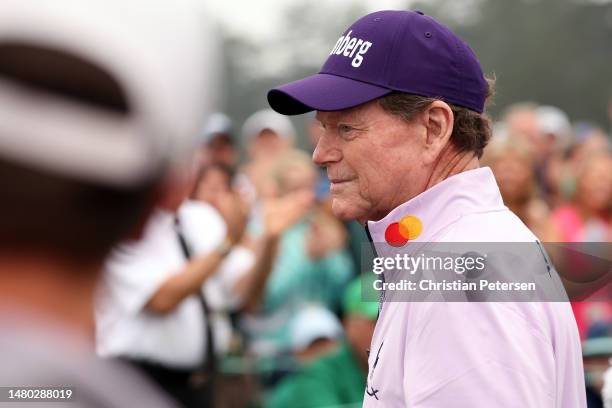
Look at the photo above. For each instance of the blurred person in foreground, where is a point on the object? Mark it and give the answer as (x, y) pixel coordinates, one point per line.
(98, 98)
(401, 100)
(310, 265)
(338, 376)
(513, 165)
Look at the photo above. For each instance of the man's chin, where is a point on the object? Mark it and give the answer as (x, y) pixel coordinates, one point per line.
(344, 211)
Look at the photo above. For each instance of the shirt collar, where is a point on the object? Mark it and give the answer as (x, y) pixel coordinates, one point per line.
(465, 193)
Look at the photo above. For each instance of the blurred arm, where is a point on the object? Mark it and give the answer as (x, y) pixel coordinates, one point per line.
(186, 283)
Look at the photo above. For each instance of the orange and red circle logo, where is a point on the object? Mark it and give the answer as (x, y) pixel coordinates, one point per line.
(407, 229)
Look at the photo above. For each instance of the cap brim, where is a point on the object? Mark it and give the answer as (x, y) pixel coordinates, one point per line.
(322, 92)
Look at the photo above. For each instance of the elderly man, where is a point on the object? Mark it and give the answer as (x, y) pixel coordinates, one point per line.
(401, 101)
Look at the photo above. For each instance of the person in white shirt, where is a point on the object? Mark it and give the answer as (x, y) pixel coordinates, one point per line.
(153, 309)
(150, 308)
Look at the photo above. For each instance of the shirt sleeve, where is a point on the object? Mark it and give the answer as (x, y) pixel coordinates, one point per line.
(133, 275)
(203, 227)
(220, 290)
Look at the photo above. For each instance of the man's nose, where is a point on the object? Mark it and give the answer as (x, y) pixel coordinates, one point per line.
(325, 152)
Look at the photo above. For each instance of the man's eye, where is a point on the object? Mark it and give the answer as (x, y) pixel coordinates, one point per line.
(345, 128)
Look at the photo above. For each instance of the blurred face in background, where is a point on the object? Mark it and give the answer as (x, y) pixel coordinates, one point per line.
(522, 123)
(268, 144)
(221, 150)
(594, 188)
(213, 182)
(594, 143)
(297, 177)
(514, 174)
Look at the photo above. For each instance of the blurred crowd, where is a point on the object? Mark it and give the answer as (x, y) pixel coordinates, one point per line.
(284, 315)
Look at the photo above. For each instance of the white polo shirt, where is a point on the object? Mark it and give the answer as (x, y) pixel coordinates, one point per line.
(204, 230)
(133, 273)
(437, 354)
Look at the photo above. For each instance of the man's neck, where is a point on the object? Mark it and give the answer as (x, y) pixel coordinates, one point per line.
(50, 289)
(449, 163)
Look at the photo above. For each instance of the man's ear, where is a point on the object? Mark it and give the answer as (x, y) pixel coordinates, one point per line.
(438, 119)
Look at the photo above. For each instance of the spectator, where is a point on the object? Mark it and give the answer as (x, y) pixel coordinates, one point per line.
(588, 217)
(337, 378)
(314, 331)
(267, 135)
(242, 275)
(151, 311)
(555, 130)
(606, 392)
(218, 142)
(596, 353)
(521, 121)
(513, 165)
(311, 263)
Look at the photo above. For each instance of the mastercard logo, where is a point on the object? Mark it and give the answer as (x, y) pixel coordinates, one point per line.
(407, 229)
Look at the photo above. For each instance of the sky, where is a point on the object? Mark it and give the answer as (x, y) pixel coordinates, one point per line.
(258, 19)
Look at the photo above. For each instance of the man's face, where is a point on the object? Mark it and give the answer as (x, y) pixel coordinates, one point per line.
(373, 160)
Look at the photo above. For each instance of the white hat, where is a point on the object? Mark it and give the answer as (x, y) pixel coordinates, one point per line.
(218, 123)
(553, 121)
(311, 323)
(158, 53)
(268, 119)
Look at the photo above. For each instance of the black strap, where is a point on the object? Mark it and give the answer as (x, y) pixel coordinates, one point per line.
(209, 365)
(381, 299)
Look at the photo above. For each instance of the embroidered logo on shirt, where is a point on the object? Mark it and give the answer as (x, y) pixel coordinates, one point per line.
(399, 233)
(370, 390)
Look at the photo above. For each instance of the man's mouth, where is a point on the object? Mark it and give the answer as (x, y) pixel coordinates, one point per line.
(338, 183)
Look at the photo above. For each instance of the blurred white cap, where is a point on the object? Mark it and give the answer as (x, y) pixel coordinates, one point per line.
(268, 119)
(312, 323)
(159, 52)
(218, 123)
(553, 121)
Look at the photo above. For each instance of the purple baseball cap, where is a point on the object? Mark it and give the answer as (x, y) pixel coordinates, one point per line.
(383, 52)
